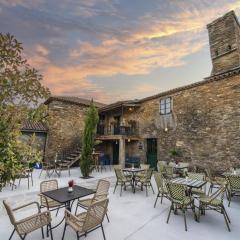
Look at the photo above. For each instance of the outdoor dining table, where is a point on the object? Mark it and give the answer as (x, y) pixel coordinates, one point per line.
(133, 172)
(191, 183)
(66, 198)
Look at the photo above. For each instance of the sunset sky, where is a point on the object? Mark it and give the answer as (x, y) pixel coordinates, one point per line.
(114, 49)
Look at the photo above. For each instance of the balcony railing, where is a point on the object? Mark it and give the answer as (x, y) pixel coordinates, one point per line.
(117, 130)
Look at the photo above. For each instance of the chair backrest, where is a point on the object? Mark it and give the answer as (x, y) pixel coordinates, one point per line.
(196, 176)
(117, 166)
(148, 174)
(160, 181)
(119, 174)
(209, 173)
(168, 170)
(234, 181)
(48, 185)
(95, 214)
(144, 166)
(9, 212)
(176, 191)
(102, 189)
(219, 194)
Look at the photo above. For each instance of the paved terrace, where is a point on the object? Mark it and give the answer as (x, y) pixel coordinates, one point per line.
(132, 216)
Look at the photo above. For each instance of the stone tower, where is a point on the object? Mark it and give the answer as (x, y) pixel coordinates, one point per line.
(224, 41)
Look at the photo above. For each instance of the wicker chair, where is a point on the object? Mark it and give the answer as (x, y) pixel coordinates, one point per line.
(145, 180)
(199, 177)
(48, 167)
(101, 193)
(46, 202)
(169, 172)
(144, 167)
(26, 173)
(179, 200)
(215, 182)
(233, 187)
(31, 223)
(122, 180)
(86, 222)
(214, 202)
(162, 189)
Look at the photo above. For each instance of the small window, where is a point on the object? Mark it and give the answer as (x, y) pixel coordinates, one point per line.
(165, 106)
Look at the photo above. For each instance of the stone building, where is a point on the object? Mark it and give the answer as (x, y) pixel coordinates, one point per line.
(66, 123)
(200, 121)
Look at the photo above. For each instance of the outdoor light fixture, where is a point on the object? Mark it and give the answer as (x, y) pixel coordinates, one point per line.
(166, 129)
(130, 109)
(129, 140)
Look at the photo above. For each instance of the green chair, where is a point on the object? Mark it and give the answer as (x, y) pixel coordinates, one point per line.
(179, 200)
(199, 177)
(233, 187)
(145, 180)
(162, 189)
(122, 180)
(214, 202)
(169, 172)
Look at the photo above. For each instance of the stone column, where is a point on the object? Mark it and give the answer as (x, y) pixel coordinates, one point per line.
(122, 151)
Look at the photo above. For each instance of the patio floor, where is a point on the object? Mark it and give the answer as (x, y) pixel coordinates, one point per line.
(132, 216)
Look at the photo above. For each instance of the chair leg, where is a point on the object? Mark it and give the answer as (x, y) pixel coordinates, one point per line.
(152, 188)
(115, 187)
(57, 211)
(156, 200)
(146, 190)
(42, 232)
(78, 236)
(64, 230)
(107, 217)
(28, 182)
(185, 221)
(226, 214)
(50, 229)
(22, 237)
(226, 220)
(12, 234)
(171, 207)
(162, 198)
(103, 232)
(121, 190)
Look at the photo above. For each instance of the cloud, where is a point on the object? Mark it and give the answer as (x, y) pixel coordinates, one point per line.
(161, 38)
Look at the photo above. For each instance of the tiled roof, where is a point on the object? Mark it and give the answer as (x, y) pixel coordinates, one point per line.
(32, 126)
(119, 104)
(74, 100)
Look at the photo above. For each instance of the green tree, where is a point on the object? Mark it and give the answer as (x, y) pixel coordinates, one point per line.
(21, 92)
(88, 140)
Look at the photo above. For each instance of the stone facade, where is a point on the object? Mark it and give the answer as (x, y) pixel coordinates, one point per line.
(224, 41)
(66, 124)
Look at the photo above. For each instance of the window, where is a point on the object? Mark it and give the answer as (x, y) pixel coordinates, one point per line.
(165, 105)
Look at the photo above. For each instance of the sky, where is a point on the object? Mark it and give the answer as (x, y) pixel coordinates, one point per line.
(112, 50)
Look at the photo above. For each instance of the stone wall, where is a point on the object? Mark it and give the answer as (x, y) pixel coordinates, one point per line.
(224, 37)
(66, 124)
(207, 130)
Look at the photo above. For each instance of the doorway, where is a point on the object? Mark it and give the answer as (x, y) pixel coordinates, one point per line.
(115, 152)
(152, 152)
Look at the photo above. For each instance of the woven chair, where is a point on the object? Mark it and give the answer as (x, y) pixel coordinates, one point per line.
(233, 187)
(214, 202)
(162, 189)
(25, 173)
(199, 177)
(31, 223)
(46, 202)
(88, 221)
(215, 182)
(179, 200)
(102, 192)
(145, 180)
(169, 172)
(48, 167)
(122, 180)
(143, 167)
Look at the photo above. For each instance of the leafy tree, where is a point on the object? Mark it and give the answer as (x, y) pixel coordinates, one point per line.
(21, 91)
(88, 141)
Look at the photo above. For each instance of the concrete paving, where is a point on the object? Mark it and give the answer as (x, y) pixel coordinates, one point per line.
(132, 216)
